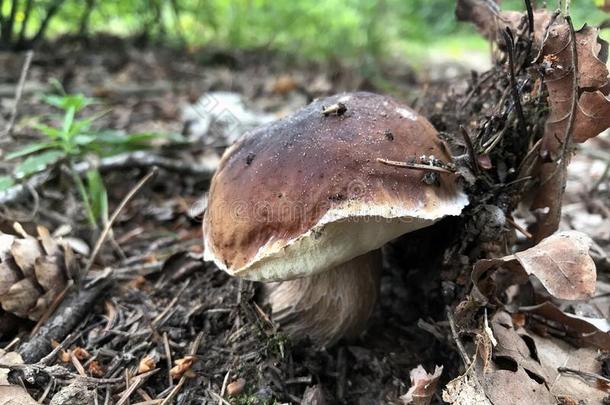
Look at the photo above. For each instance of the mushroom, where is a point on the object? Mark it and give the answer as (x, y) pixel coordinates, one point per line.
(304, 205)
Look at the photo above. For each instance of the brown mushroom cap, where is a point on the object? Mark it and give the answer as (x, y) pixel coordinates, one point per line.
(306, 193)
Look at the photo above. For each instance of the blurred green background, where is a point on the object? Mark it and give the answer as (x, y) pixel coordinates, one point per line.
(312, 29)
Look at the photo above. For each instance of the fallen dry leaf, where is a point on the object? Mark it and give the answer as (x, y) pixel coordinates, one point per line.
(509, 387)
(284, 84)
(64, 356)
(465, 390)
(512, 345)
(146, 364)
(561, 262)
(490, 21)
(313, 396)
(547, 319)
(12, 394)
(81, 353)
(513, 376)
(182, 366)
(8, 358)
(423, 386)
(236, 387)
(591, 115)
(15, 395)
(95, 369)
(553, 41)
(554, 353)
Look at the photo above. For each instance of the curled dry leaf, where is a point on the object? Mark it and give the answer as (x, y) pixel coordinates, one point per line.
(146, 364)
(592, 115)
(490, 21)
(236, 387)
(81, 353)
(423, 386)
(64, 356)
(552, 39)
(95, 369)
(561, 262)
(313, 396)
(589, 119)
(182, 366)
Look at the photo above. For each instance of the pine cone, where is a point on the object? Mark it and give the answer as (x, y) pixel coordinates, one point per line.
(33, 271)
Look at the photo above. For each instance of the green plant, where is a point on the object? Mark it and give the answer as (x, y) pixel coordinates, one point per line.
(277, 343)
(69, 141)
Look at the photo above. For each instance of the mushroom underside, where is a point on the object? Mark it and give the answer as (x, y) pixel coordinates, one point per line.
(330, 305)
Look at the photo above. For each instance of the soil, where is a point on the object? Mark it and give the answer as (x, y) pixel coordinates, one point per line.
(164, 295)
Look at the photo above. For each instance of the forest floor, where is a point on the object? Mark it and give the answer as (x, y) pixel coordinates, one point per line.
(165, 303)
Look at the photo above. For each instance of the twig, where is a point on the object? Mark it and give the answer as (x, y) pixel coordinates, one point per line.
(46, 391)
(510, 50)
(168, 358)
(77, 364)
(139, 159)
(18, 94)
(341, 374)
(416, 166)
(125, 397)
(456, 338)
(114, 216)
(137, 383)
(530, 30)
(46, 360)
(193, 351)
(585, 375)
(519, 228)
(69, 314)
(172, 303)
(225, 381)
(12, 344)
(567, 139)
(49, 311)
(61, 374)
(220, 399)
(470, 148)
(299, 380)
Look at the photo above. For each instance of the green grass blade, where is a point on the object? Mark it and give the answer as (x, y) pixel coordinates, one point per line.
(29, 149)
(6, 182)
(37, 163)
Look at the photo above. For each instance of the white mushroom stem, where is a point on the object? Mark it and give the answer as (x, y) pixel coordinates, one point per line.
(330, 305)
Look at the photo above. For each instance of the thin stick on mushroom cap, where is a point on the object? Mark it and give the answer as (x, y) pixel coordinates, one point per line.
(306, 195)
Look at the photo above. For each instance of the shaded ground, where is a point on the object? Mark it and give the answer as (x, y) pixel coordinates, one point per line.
(165, 300)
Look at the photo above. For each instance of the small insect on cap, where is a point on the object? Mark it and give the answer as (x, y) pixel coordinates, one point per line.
(306, 193)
